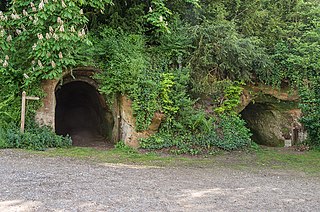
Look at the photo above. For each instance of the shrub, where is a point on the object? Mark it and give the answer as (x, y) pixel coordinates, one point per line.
(37, 138)
(310, 104)
(188, 130)
(234, 134)
(227, 132)
(3, 143)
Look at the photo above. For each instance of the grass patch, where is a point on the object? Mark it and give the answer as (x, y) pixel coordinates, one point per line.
(125, 156)
(254, 159)
(279, 158)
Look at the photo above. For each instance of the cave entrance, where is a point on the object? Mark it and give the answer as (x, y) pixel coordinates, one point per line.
(269, 123)
(82, 113)
(256, 117)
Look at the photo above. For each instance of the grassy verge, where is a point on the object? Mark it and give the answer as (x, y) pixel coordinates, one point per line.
(308, 162)
(126, 156)
(261, 158)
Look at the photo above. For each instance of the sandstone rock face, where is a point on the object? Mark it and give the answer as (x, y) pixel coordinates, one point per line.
(128, 124)
(272, 116)
(46, 114)
(268, 125)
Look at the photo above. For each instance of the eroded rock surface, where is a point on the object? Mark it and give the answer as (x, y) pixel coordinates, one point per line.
(272, 116)
(128, 124)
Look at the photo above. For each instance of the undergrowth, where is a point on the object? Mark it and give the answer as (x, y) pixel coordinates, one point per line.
(226, 132)
(35, 138)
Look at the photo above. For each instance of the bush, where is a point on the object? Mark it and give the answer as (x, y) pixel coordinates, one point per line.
(310, 104)
(227, 132)
(37, 138)
(188, 130)
(3, 143)
(234, 135)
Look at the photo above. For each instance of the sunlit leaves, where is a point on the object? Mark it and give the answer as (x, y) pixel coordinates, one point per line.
(39, 32)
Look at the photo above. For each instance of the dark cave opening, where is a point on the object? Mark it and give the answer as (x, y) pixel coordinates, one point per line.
(81, 113)
(266, 123)
(253, 115)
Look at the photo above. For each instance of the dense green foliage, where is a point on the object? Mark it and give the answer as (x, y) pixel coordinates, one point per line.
(165, 55)
(201, 135)
(37, 138)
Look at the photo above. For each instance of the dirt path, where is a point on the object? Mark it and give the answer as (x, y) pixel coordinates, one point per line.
(37, 183)
(89, 138)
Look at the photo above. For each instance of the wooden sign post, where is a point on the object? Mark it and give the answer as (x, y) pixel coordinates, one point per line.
(23, 108)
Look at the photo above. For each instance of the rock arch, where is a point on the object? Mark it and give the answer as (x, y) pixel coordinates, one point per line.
(272, 115)
(115, 122)
(82, 114)
(74, 106)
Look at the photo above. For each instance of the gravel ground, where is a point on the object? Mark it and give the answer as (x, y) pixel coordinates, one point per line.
(37, 183)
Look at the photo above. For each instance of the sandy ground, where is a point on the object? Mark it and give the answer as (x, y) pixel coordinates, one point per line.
(37, 183)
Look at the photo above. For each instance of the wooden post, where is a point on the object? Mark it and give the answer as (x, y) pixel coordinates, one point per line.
(23, 108)
(23, 111)
(117, 119)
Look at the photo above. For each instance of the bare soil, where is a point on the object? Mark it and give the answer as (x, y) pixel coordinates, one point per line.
(89, 138)
(38, 183)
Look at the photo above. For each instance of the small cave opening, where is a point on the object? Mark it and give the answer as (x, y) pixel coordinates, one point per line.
(82, 113)
(265, 123)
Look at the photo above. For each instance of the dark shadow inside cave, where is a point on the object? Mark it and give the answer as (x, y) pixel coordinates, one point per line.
(264, 122)
(81, 113)
(252, 115)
